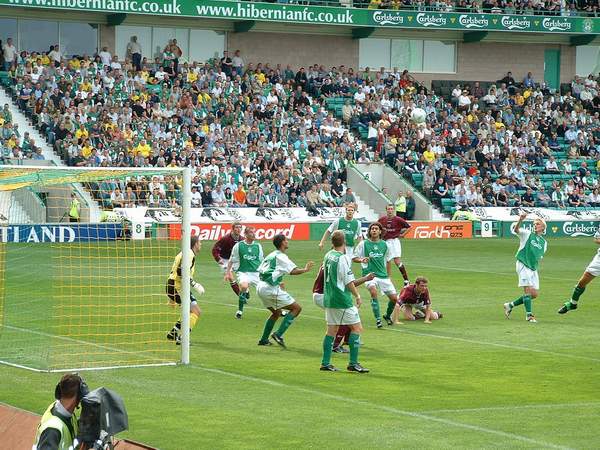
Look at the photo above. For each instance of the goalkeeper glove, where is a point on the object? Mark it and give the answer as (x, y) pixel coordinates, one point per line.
(198, 288)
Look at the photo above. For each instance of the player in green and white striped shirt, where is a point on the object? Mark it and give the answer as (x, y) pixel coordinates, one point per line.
(270, 289)
(351, 228)
(532, 247)
(373, 254)
(339, 287)
(245, 258)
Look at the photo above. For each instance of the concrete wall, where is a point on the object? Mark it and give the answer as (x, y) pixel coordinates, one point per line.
(485, 61)
(107, 37)
(295, 49)
(368, 192)
(489, 61)
(384, 178)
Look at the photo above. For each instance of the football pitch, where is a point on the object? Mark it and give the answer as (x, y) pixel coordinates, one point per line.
(470, 380)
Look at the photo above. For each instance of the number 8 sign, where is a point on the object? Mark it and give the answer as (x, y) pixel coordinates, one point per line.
(138, 230)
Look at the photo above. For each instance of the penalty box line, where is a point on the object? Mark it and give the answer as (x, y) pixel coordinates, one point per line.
(386, 409)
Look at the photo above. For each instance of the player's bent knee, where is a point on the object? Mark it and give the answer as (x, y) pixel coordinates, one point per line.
(356, 328)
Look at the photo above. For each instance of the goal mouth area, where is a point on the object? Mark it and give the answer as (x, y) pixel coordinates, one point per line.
(78, 293)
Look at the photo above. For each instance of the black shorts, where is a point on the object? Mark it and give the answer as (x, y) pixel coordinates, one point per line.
(173, 294)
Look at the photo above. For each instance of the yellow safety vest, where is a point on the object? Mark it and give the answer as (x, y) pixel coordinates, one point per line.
(74, 211)
(400, 204)
(51, 421)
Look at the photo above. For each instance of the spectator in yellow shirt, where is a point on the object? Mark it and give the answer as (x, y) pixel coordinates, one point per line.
(143, 149)
(429, 155)
(192, 76)
(86, 149)
(81, 133)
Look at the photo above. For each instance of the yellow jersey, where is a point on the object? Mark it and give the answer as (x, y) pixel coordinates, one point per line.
(175, 274)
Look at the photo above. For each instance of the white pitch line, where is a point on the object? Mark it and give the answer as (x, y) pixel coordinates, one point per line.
(439, 336)
(489, 272)
(80, 341)
(383, 408)
(514, 407)
(495, 344)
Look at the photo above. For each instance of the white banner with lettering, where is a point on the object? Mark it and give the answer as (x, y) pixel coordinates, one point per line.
(224, 215)
(511, 214)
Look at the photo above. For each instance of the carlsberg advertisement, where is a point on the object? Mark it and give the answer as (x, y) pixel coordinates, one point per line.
(585, 228)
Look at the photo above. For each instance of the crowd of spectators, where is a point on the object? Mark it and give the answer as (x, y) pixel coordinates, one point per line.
(254, 134)
(261, 135)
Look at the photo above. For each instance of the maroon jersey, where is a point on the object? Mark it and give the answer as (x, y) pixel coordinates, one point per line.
(223, 247)
(392, 226)
(409, 296)
(318, 287)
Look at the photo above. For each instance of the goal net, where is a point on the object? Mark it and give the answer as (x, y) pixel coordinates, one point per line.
(84, 264)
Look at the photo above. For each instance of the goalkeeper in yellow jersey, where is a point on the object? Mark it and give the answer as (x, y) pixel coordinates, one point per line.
(174, 288)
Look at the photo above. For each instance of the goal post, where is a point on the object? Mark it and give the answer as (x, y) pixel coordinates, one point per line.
(85, 254)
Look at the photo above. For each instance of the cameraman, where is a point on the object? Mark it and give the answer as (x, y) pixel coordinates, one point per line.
(58, 426)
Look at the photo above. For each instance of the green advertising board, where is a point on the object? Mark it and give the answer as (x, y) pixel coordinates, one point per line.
(558, 229)
(318, 15)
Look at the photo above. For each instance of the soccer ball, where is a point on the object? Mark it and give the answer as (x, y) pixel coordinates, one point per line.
(418, 115)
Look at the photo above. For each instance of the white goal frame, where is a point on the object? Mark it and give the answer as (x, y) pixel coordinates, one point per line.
(186, 260)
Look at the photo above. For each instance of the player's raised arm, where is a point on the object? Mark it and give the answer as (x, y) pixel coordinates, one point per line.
(522, 217)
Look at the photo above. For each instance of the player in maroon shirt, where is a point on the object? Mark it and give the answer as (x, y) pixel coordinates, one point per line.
(343, 333)
(415, 303)
(395, 228)
(221, 251)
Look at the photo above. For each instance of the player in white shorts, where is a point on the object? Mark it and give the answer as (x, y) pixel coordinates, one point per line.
(351, 228)
(532, 247)
(269, 289)
(395, 228)
(339, 288)
(246, 257)
(591, 272)
(373, 255)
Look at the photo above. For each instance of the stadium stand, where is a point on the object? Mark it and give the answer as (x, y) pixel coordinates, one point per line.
(286, 136)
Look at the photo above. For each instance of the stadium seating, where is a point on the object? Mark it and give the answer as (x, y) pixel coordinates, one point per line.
(269, 128)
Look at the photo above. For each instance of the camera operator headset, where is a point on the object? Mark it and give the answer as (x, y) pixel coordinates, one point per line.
(58, 427)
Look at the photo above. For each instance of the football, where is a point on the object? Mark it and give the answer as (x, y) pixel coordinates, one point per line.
(418, 115)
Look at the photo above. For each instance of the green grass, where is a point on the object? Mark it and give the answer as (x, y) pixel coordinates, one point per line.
(471, 380)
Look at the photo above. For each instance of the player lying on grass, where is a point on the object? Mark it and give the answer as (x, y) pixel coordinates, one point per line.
(591, 272)
(373, 254)
(414, 302)
(394, 228)
(271, 291)
(246, 256)
(532, 247)
(339, 288)
(173, 290)
(343, 333)
(222, 249)
(349, 226)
